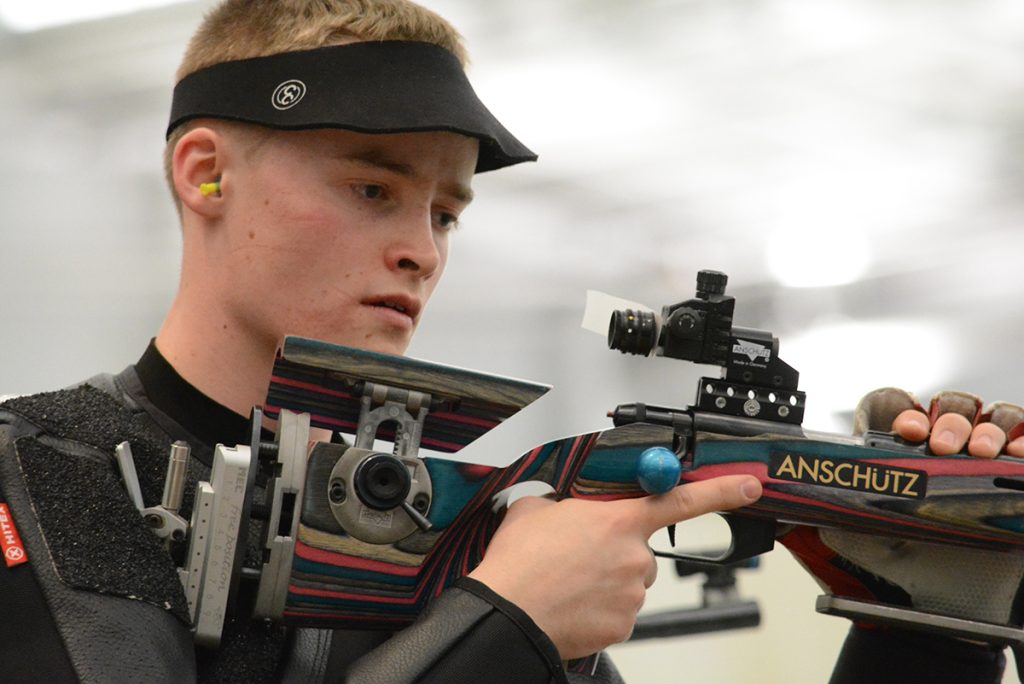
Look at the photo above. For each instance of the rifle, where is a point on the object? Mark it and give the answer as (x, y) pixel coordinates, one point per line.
(357, 537)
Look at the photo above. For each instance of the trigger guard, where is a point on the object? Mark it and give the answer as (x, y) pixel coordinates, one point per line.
(750, 537)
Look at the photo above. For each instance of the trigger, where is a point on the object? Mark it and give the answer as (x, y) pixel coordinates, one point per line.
(671, 529)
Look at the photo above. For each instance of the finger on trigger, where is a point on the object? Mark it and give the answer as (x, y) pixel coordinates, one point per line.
(950, 433)
(697, 498)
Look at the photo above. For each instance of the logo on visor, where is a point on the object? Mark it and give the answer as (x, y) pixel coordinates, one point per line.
(288, 94)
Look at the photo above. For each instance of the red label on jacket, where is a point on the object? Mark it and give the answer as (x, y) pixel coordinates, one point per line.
(10, 542)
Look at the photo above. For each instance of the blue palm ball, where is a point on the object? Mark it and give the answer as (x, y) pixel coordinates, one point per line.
(657, 470)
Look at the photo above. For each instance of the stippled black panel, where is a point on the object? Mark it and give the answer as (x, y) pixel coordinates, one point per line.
(88, 415)
(95, 535)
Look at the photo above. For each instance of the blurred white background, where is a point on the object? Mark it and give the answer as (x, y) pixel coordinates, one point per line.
(855, 166)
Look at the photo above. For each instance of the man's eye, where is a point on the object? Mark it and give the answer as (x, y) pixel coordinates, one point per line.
(447, 220)
(370, 190)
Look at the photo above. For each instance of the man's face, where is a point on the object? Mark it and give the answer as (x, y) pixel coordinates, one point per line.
(340, 236)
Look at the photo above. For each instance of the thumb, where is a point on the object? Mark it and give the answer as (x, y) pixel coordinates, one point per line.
(697, 498)
(525, 505)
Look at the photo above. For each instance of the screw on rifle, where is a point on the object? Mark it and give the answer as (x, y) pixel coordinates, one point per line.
(784, 411)
(686, 322)
(420, 502)
(154, 521)
(337, 493)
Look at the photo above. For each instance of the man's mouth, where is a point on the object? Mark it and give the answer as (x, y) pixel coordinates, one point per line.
(401, 304)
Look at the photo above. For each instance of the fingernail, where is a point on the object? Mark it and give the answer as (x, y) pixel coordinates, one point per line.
(946, 439)
(984, 441)
(751, 490)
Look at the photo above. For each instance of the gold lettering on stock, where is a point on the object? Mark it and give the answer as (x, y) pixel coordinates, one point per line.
(852, 474)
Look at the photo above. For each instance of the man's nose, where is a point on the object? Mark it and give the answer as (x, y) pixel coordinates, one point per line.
(414, 248)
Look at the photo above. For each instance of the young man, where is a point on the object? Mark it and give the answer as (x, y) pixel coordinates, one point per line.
(320, 154)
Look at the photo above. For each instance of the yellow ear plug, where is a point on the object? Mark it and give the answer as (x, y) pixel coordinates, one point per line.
(207, 189)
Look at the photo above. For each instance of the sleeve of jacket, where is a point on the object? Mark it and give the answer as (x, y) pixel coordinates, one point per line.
(468, 634)
(894, 656)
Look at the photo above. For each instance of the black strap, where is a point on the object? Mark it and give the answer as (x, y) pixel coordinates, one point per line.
(31, 648)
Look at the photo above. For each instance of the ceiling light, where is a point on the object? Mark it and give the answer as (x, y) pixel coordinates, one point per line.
(840, 362)
(818, 256)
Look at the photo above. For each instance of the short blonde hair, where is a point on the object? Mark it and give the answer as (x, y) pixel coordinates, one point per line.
(243, 29)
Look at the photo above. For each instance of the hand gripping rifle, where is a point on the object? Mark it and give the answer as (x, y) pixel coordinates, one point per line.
(353, 536)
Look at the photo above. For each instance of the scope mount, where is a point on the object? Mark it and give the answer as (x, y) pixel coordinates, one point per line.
(755, 382)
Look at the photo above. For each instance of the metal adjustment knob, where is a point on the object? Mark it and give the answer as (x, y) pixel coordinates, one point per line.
(382, 482)
(711, 283)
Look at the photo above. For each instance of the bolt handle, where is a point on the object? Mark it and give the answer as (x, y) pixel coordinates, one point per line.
(658, 470)
(382, 482)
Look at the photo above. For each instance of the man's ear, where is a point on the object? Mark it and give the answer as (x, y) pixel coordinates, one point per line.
(197, 164)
